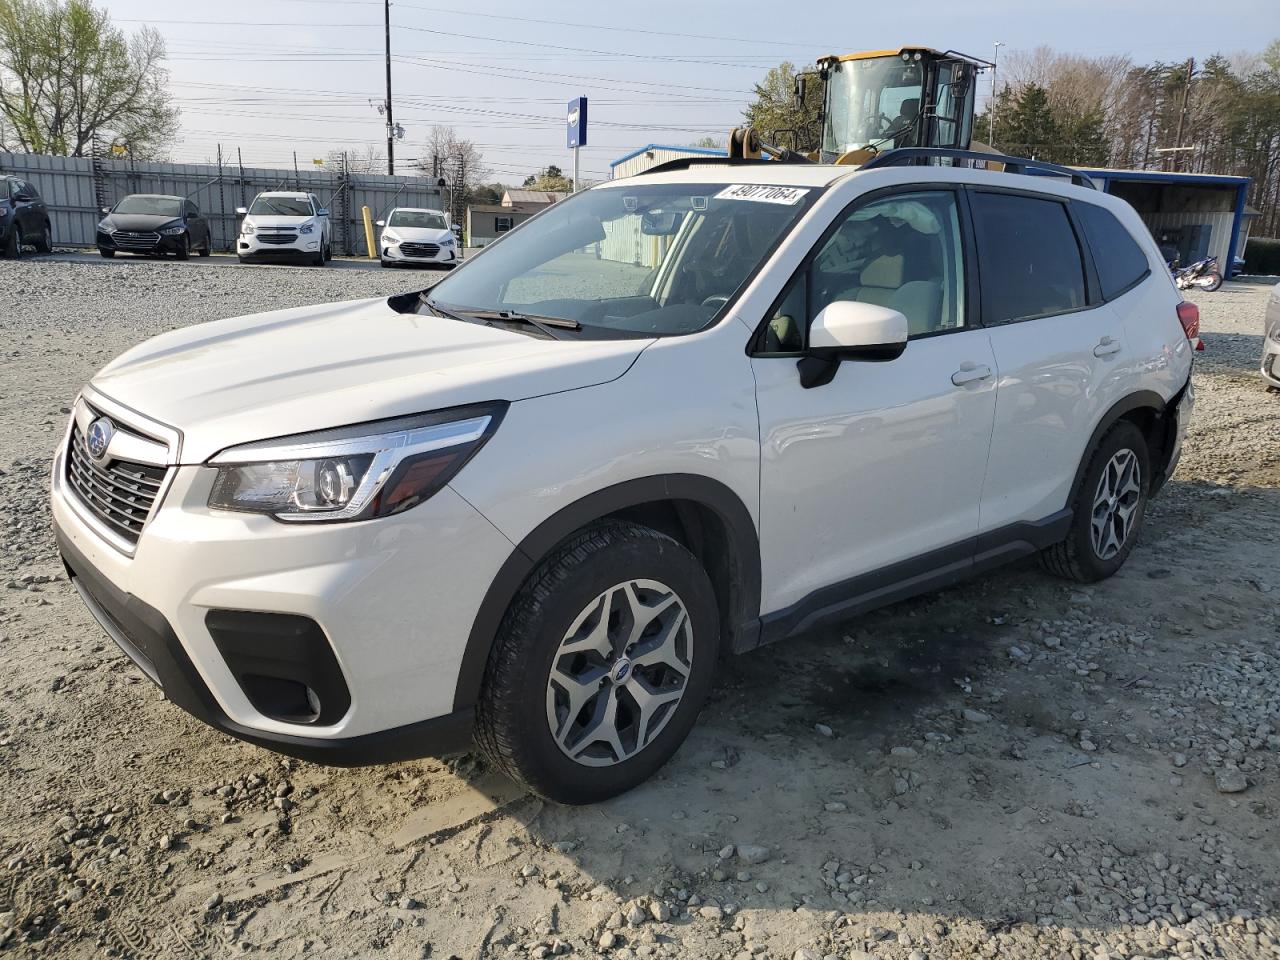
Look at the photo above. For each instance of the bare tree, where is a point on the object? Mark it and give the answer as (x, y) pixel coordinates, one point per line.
(67, 76)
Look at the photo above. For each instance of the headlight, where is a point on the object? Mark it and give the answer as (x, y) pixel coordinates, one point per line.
(352, 473)
(102, 225)
(307, 228)
(390, 237)
(247, 229)
(447, 242)
(174, 231)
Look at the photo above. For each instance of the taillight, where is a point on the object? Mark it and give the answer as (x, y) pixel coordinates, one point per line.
(1189, 317)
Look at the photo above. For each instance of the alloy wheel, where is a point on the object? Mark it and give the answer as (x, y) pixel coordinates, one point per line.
(619, 673)
(1115, 504)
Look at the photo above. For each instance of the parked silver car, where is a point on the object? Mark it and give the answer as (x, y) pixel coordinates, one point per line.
(1271, 342)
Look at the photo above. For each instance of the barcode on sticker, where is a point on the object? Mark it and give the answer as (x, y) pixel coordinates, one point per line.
(762, 193)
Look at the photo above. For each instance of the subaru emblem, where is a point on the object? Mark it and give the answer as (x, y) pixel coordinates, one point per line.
(98, 439)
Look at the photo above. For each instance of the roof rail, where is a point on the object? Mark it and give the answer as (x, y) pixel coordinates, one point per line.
(684, 163)
(913, 156)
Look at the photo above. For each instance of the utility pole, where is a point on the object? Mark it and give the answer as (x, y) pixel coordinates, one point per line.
(1182, 113)
(991, 111)
(391, 139)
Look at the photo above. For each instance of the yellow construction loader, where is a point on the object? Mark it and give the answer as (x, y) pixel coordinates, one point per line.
(876, 101)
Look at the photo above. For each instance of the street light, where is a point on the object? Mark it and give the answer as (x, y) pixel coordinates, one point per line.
(991, 112)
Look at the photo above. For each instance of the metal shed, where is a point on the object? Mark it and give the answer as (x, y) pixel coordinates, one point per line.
(1196, 215)
(652, 154)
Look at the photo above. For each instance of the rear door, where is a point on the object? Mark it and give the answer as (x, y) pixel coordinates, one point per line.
(1060, 351)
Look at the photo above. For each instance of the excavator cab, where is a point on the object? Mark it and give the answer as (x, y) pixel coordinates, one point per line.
(883, 99)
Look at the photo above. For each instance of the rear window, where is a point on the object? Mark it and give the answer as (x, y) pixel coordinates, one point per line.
(1117, 257)
(1030, 257)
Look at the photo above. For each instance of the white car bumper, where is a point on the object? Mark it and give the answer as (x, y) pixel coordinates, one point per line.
(407, 252)
(388, 605)
(268, 243)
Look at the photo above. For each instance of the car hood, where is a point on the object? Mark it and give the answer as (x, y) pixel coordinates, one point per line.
(420, 234)
(264, 220)
(140, 221)
(292, 371)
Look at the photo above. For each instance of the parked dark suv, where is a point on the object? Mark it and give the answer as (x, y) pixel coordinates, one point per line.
(156, 224)
(24, 218)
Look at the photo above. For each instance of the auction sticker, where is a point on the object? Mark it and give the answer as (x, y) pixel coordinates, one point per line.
(763, 193)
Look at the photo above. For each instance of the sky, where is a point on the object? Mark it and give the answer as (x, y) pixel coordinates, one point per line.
(272, 77)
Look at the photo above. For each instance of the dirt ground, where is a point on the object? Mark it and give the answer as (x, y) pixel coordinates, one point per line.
(1016, 767)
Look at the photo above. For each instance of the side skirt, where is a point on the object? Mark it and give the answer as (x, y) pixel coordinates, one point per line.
(908, 578)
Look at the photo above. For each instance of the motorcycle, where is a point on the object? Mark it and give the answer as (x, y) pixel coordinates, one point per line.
(1203, 274)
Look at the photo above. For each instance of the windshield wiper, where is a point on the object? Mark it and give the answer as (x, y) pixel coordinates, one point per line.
(548, 325)
(435, 308)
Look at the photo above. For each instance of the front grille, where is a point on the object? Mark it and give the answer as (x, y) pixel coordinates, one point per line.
(419, 249)
(135, 240)
(119, 494)
(276, 237)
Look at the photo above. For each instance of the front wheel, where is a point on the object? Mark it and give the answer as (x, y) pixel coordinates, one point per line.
(13, 246)
(601, 664)
(105, 253)
(184, 247)
(44, 242)
(1108, 508)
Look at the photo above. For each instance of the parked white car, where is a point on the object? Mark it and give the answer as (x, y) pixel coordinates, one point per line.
(674, 417)
(417, 237)
(285, 225)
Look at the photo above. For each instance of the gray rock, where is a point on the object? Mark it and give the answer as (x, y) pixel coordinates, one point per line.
(1230, 780)
(752, 853)
(823, 730)
(975, 716)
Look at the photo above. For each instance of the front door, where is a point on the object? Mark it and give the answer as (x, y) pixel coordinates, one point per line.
(884, 464)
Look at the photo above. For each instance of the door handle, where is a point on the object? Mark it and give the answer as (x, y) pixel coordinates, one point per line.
(970, 372)
(1106, 346)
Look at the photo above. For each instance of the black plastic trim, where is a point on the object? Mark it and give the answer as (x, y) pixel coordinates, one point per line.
(910, 156)
(1143, 399)
(930, 571)
(147, 631)
(743, 557)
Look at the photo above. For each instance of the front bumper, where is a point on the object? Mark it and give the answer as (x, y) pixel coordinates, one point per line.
(396, 254)
(393, 601)
(300, 247)
(162, 244)
(1270, 366)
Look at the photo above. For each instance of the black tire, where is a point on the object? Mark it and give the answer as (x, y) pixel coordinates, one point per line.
(243, 260)
(13, 246)
(1215, 281)
(44, 242)
(1076, 557)
(386, 265)
(184, 251)
(512, 730)
(105, 253)
(207, 249)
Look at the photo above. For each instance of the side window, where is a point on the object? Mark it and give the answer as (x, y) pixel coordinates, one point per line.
(192, 209)
(901, 251)
(30, 190)
(1030, 257)
(1119, 260)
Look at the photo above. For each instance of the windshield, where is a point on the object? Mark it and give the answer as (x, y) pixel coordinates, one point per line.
(871, 102)
(650, 259)
(425, 219)
(152, 206)
(281, 207)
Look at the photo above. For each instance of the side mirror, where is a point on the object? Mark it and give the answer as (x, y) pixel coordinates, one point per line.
(381, 223)
(322, 212)
(242, 211)
(850, 330)
(802, 85)
(106, 209)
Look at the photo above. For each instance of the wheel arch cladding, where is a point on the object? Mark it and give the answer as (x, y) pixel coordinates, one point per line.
(703, 514)
(1149, 412)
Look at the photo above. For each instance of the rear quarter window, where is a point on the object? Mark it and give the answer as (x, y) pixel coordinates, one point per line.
(1029, 257)
(1119, 260)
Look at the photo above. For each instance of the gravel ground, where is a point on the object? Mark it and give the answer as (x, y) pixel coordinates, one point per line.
(1016, 767)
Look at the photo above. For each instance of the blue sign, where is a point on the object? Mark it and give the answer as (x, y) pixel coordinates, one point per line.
(577, 122)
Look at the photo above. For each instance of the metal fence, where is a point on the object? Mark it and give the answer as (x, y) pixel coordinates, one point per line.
(77, 188)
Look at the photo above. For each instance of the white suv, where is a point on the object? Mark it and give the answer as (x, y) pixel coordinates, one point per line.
(671, 418)
(280, 225)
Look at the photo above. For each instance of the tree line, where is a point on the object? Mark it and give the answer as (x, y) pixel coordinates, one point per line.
(1221, 116)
